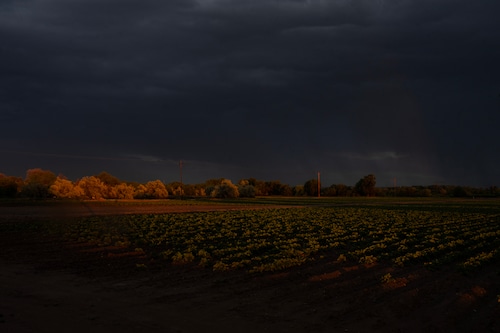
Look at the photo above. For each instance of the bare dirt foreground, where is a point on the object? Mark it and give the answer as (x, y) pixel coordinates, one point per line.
(47, 285)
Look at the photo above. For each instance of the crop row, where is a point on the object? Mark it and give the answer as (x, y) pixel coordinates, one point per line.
(274, 239)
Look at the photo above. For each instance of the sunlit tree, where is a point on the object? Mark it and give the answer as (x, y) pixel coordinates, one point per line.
(93, 188)
(140, 192)
(156, 189)
(65, 189)
(123, 191)
(226, 189)
(40, 176)
(151, 190)
(176, 188)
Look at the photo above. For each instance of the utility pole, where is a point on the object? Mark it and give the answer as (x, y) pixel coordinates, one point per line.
(180, 170)
(319, 186)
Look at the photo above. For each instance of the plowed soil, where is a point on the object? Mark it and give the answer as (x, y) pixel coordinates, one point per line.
(49, 285)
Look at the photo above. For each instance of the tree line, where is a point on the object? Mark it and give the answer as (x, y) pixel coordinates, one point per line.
(41, 184)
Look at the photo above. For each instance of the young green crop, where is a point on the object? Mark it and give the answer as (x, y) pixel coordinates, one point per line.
(275, 239)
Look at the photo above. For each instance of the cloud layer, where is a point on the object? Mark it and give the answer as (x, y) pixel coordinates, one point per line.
(269, 89)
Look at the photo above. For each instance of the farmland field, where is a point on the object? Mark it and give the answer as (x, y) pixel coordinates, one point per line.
(269, 264)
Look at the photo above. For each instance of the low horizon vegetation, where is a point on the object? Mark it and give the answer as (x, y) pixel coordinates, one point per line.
(44, 184)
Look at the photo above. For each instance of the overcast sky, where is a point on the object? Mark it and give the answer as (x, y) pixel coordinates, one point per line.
(275, 90)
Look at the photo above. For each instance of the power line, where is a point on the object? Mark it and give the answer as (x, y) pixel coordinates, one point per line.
(89, 157)
(319, 185)
(86, 157)
(180, 170)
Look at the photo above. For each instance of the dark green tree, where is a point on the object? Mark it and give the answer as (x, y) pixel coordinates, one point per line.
(461, 192)
(311, 187)
(298, 190)
(275, 187)
(366, 186)
(210, 185)
(9, 185)
(341, 190)
(37, 183)
(108, 179)
(246, 191)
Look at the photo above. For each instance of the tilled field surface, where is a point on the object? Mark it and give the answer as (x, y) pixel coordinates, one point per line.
(50, 285)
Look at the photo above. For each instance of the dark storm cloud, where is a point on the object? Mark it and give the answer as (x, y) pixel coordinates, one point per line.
(271, 89)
